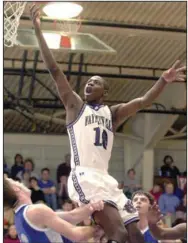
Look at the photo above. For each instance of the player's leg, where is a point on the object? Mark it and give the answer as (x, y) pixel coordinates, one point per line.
(134, 234)
(130, 218)
(110, 220)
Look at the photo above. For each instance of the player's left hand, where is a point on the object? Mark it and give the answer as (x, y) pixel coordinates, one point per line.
(154, 214)
(96, 206)
(175, 73)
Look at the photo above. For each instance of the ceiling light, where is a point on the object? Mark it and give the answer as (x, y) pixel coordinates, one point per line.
(62, 10)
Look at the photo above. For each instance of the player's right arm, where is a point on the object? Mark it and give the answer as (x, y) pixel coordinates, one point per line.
(67, 95)
(44, 217)
(154, 215)
(177, 232)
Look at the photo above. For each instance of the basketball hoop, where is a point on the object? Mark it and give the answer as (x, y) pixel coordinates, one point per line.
(12, 13)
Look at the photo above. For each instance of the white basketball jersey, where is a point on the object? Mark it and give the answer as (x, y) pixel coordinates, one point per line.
(91, 137)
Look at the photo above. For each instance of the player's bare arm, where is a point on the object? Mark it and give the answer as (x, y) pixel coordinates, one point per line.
(44, 217)
(122, 111)
(79, 214)
(177, 232)
(70, 99)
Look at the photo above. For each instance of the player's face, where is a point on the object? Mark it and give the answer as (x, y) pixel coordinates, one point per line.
(141, 203)
(94, 89)
(19, 187)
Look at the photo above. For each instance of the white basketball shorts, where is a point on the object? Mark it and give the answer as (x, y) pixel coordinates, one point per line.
(88, 184)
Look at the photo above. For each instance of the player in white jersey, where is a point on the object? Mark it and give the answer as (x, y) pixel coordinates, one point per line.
(39, 223)
(91, 128)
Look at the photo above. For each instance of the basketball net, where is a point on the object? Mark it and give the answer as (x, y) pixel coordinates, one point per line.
(12, 13)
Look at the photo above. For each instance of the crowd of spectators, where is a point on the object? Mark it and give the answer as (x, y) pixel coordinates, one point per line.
(170, 194)
(171, 198)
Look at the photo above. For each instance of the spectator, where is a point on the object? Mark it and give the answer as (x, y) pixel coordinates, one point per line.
(48, 188)
(8, 218)
(12, 236)
(181, 210)
(168, 169)
(131, 184)
(25, 178)
(37, 195)
(67, 205)
(18, 165)
(156, 192)
(29, 168)
(168, 202)
(63, 172)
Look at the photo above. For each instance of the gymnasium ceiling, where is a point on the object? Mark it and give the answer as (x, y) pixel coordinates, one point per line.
(148, 38)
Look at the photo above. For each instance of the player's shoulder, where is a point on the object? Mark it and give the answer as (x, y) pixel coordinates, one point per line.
(38, 209)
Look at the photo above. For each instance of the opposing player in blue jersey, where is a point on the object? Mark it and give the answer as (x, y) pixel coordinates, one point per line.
(143, 201)
(91, 126)
(37, 223)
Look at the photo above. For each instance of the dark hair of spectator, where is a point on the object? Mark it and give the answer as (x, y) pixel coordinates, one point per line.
(168, 157)
(146, 194)
(131, 170)
(67, 201)
(45, 169)
(18, 155)
(33, 178)
(30, 161)
(9, 195)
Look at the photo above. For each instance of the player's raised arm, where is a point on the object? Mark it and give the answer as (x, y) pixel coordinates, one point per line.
(122, 111)
(44, 217)
(66, 93)
(177, 232)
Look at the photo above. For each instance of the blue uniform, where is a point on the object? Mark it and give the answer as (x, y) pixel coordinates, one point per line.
(29, 233)
(148, 238)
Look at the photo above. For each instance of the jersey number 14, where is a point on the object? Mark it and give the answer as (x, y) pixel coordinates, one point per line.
(101, 137)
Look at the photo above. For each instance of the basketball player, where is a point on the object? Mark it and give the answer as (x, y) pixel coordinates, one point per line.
(39, 223)
(177, 232)
(142, 201)
(91, 126)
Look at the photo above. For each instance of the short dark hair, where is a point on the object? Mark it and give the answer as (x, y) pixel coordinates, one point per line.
(33, 178)
(9, 195)
(168, 157)
(131, 170)
(67, 201)
(31, 161)
(146, 194)
(45, 169)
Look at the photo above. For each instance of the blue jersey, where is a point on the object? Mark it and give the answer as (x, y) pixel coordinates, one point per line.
(29, 233)
(148, 238)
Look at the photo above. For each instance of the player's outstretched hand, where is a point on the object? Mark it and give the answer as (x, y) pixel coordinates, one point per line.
(96, 206)
(154, 214)
(35, 15)
(175, 73)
